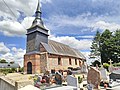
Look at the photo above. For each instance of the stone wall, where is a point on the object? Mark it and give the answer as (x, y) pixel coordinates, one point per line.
(43, 62)
(52, 63)
(6, 85)
(35, 60)
(21, 84)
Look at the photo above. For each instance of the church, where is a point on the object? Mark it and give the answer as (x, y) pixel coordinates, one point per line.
(44, 54)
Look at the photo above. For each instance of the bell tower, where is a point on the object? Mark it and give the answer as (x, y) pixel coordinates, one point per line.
(37, 33)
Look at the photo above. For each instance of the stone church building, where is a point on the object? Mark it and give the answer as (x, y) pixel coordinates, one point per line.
(44, 54)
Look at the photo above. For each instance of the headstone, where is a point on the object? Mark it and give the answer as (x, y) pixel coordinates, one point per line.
(115, 70)
(39, 78)
(97, 66)
(53, 71)
(58, 78)
(69, 72)
(103, 74)
(46, 78)
(114, 76)
(94, 77)
(72, 81)
(90, 87)
(84, 68)
(111, 66)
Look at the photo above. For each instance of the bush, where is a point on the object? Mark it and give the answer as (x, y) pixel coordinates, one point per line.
(106, 66)
(7, 70)
(21, 69)
(80, 79)
(116, 64)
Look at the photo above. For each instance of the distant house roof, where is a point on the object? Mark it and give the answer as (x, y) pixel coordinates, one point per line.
(54, 47)
(8, 65)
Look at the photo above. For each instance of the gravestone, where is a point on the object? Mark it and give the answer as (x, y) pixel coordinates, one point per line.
(84, 68)
(58, 78)
(111, 66)
(72, 81)
(114, 76)
(46, 78)
(94, 77)
(103, 74)
(53, 71)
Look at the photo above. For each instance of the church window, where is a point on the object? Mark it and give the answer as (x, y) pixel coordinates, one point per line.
(70, 63)
(75, 61)
(59, 61)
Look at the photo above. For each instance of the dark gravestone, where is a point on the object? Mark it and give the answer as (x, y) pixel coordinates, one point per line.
(58, 78)
(114, 76)
(53, 71)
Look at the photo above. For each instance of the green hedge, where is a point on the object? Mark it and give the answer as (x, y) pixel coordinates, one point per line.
(116, 64)
(7, 70)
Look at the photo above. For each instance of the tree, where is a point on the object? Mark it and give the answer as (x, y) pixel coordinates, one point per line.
(116, 46)
(105, 46)
(3, 61)
(95, 48)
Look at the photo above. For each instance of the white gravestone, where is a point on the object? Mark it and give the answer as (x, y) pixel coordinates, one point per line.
(84, 68)
(72, 81)
(104, 74)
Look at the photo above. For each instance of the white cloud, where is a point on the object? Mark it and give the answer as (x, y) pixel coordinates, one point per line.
(3, 48)
(105, 25)
(83, 44)
(10, 28)
(14, 28)
(88, 36)
(28, 7)
(12, 54)
(91, 22)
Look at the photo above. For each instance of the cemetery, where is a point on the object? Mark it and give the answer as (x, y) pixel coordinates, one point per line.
(85, 78)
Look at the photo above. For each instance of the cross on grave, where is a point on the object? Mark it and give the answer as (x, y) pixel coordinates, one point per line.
(110, 62)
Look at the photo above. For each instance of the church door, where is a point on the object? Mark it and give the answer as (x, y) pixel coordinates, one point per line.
(29, 68)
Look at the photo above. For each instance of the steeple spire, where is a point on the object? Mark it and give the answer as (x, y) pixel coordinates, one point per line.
(38, 11)
(38, 20)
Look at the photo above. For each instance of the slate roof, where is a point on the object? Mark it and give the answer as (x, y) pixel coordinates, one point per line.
(54, 47)
(7, 65)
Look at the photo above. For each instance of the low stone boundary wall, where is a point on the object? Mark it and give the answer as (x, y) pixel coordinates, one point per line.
(6, 85)
(21, 84)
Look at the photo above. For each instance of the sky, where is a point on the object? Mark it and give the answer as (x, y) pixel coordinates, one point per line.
(72, 22)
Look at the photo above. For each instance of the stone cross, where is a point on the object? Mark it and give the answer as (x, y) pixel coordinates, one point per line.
(111, 67)
(110, 62)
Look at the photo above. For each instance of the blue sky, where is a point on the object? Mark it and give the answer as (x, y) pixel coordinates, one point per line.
(72, 22)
